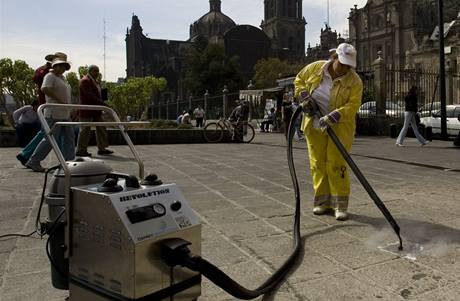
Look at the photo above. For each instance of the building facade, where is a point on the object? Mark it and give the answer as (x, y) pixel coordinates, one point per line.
(399, 30)
(282, 35)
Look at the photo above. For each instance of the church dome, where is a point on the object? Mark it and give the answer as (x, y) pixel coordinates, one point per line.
(212, 24)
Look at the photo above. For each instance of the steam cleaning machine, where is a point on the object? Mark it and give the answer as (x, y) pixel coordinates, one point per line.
(115, 236)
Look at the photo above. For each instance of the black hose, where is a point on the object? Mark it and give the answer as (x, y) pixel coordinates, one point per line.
(38, 223)
(198, 264)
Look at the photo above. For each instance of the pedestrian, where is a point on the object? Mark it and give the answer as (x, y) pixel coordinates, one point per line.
(286, 111)
(56, 90)
(269, 119)
(199, 114)
(179, 118)
(27, 123)
(337, 91)
(409, 118)
(39, 74)
(90, 94)
(187, 117)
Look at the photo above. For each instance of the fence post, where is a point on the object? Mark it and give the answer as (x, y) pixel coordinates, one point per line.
(450, 84)
(167, 109)
(250, 87)
(380, 125)
(159, 108)
(205, 104)
(224, 101)
(177, 106)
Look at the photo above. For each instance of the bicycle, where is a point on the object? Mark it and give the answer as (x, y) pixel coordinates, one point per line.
(240, 131)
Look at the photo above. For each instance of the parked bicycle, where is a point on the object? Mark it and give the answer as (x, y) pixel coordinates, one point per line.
(240, 131)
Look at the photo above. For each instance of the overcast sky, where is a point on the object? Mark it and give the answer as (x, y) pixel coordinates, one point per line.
(30, 29)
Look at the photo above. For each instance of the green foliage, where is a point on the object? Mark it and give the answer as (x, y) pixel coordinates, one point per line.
(74, 83)
(267, 71)
(210, 69)
(82, 71)
(134, 95)
(16, 80)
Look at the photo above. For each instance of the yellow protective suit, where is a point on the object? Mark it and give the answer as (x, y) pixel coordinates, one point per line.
(329, 170)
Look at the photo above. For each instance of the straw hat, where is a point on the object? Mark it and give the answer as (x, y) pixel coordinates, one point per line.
(60, 58)
(50, 57)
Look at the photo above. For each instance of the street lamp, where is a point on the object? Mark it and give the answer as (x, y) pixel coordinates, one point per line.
(442, 71)
(224, 101)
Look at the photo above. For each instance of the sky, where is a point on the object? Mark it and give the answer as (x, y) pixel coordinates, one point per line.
(30, 29)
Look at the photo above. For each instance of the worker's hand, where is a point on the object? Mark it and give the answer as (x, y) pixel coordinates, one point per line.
(329, 119)
(307, 103)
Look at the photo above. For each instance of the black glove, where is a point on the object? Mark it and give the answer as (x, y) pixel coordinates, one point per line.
(307, 103)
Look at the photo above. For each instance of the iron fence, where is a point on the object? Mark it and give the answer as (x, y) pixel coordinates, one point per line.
(213, 106)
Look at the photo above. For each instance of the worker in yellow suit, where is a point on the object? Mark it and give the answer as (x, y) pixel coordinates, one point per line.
(337, 90)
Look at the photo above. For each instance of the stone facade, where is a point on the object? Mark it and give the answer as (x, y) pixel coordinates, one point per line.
(284, 24)
(328, 39)
(282, 35)
(400, 30)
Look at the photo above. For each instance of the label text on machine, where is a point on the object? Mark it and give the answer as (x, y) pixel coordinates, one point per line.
(143, 195)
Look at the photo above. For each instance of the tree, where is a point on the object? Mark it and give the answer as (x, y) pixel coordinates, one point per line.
(267, 71)
(74, 83)
(210, 69)
(133, 96)
(16, 80)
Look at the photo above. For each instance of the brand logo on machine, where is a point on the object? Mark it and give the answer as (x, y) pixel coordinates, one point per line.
(143, 195)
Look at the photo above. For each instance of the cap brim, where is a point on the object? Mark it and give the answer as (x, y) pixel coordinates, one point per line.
(347, 61)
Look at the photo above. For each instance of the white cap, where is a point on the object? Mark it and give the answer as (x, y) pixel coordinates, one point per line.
(346, 54)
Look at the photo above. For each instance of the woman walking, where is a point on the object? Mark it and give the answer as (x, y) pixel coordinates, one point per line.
(409, 118)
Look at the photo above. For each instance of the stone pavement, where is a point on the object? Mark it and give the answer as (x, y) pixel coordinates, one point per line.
(244, 196)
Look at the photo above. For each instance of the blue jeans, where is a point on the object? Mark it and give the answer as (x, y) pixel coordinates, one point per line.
(409, 119)
(30, 148)
(65, 138)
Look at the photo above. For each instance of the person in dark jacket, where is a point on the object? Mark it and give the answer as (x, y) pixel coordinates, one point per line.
(90, 94)
(409, 118)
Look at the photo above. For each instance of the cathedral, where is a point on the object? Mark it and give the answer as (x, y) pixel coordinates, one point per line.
(281, 34)
(403, 32)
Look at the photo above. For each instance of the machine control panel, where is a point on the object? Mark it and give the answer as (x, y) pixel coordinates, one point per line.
(148, 211)
(144, 213)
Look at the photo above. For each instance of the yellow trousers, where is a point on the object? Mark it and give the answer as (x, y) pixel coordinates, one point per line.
(331, 181)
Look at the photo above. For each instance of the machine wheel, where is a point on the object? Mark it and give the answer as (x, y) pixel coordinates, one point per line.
(213, 132)
(249, 133)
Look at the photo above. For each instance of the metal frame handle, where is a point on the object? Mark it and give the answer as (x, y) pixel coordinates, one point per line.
(48, 132)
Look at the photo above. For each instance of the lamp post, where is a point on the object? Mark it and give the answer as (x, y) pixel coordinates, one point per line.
(442, 72)
(224, 101)
(205, 104)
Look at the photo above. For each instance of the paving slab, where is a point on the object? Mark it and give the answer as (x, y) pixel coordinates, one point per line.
(244, 196)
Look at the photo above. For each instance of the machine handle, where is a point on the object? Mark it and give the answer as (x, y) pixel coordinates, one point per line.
(60, 156)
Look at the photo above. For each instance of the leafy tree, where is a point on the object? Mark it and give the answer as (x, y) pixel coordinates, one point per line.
(16, 80)
(74, 83)
(82, 71)
(267, 71)
(134, 95)
(211, 69)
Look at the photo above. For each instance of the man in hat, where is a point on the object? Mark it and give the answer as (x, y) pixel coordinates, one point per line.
(337, 90)
(38, 77)
(90, 94)
(56, 90)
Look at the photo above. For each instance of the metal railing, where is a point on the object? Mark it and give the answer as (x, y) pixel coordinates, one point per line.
(49, 135)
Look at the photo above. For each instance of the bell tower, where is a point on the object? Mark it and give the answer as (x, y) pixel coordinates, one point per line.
(284, 24)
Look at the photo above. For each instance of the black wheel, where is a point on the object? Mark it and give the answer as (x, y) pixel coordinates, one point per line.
(248, 133)
(213, 132)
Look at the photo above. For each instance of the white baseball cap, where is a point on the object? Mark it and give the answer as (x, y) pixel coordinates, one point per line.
(346, 54)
